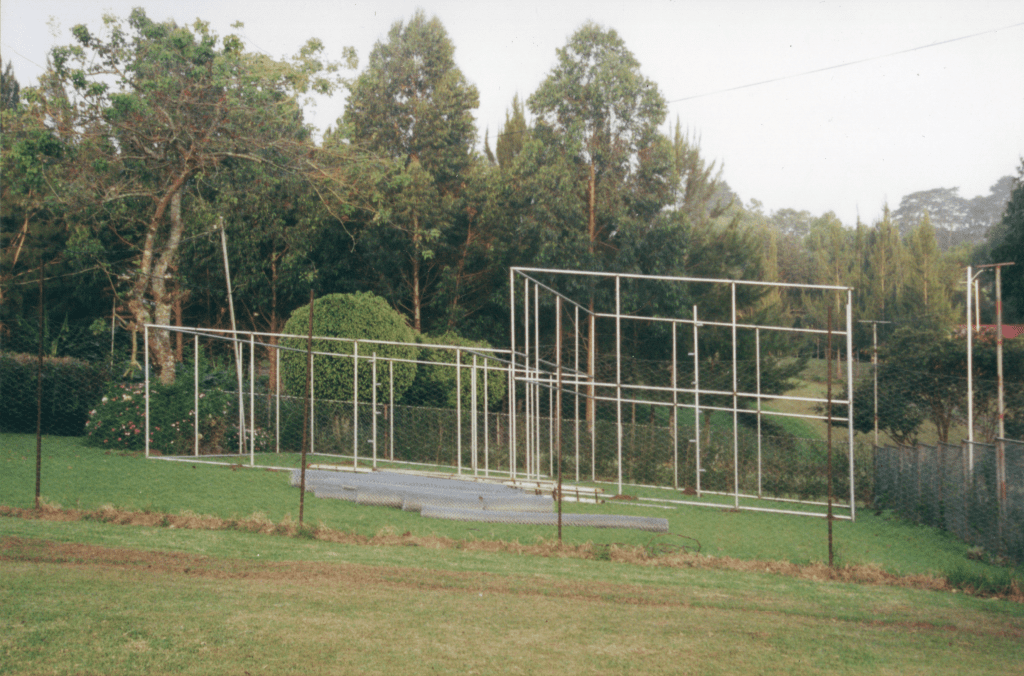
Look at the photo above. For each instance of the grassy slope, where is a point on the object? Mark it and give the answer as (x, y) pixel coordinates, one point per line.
(85, 478)
(268, 604)
(210, 603)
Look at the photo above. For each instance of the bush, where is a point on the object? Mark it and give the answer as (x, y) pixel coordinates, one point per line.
(435, 385)
(118, 419)
(70, 387)
(360, 316)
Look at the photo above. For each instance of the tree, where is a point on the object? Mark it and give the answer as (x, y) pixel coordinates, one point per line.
(9, 88)
(152, 106)
(1007, 239)
(607, 114)
(923, 377)
(513, 134)
(412, 107)
(601, 116)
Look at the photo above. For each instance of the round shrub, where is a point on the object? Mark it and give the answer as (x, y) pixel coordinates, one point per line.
(359, 316)
(435, 386)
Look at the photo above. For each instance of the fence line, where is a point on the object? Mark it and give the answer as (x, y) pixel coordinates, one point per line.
(937, 486)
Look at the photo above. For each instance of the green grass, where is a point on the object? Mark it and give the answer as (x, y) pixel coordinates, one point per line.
(153, 600)
(75, 476)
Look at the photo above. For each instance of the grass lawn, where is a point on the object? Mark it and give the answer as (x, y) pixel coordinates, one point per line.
(92, 597)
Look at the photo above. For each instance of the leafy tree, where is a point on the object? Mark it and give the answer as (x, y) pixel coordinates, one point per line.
(152, 106)
(9, 88)
(513, 134)
(412, 107)
(922, 376)
(606, 115)
(1007, 239)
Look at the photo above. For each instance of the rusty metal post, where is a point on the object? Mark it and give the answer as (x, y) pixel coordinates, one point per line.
(305, 410)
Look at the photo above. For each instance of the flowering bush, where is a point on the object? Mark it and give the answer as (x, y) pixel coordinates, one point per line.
(118, 420)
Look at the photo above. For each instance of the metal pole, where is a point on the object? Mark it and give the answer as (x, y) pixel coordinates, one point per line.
(536, 369)
(849, 408)
(234, 337)
(757, 341)
(527, 388)
(195, 395)
(558, 418)
(592, 404)
(618, 371)
(307, 408)
(576, 386)
(696, 399)
(828, 364)
(391, 410)
(487, 411)
(512, 375)
(39, 390)
(312, 402)
(735, 409)
(473, 419)
(458, 407)
(675, 412)
(277, 399)
(355, 403)
(874, 363)
(970, 378)
(145, 366)
(252, 400)
(373, 406)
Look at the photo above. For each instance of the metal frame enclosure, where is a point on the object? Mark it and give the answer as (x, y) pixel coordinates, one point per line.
(535, 375)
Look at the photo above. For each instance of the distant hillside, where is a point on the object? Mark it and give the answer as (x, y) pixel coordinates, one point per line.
(956, 219)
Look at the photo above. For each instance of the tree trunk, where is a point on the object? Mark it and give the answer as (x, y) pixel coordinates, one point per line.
(152, 280)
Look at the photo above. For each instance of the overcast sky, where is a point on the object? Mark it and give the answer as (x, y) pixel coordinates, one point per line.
(905, 114)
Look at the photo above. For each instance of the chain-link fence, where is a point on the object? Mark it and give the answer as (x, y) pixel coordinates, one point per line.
(974, 490)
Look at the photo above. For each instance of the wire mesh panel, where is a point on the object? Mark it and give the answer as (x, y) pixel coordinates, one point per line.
(973, 490)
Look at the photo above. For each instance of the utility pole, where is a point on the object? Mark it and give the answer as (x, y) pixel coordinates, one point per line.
(999, 343)
(874, 362)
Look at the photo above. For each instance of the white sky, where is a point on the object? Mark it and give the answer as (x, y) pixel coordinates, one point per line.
(847, 139)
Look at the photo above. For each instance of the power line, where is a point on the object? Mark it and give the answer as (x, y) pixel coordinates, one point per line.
(845, 64)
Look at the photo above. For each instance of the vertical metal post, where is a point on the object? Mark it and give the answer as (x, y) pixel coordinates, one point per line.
(536, 370)
(391, 410)
(195, 394)
(145, 366)
(252, 400)
(999, 352)
(557, 419)
(473, 420)
(277, 399)
(527, 388)
(849, 406)
(735, 408)
(757, 341)
(512, 375)
(487, 412)
(458, 407)
(874, 363)
(970, 377)
(618, 372)
(234, 338)
(828, 378)
(696, 397)
(373, 407)
(307, 408)
(593, 405)
(355, 403)
(312, 402)
(576, 387)
(675, 412)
